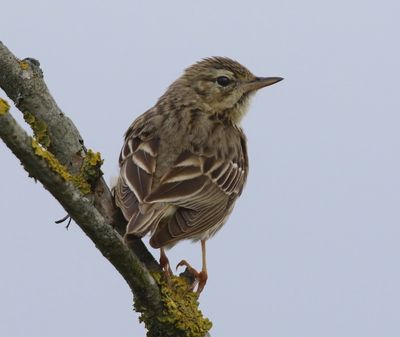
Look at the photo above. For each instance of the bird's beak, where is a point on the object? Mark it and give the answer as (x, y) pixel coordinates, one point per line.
(261, 82)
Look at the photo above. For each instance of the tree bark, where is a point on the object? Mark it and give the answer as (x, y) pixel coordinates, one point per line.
(56, 156)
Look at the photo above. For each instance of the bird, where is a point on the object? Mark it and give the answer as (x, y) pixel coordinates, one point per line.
(184, 162)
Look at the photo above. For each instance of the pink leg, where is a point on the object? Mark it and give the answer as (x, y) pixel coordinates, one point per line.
(202, 276)
(164, 263)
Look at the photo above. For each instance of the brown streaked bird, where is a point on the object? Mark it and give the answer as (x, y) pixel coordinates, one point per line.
(184, 162)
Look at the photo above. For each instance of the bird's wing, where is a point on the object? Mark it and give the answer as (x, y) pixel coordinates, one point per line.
(195, 195)
(137, 166)
(203, 189)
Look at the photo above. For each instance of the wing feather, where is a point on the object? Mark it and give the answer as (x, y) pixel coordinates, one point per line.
(137, 167)
(203, 189)
(190, 199)
(177, 191)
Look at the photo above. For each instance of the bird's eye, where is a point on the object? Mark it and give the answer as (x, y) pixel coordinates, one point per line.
(223, 81)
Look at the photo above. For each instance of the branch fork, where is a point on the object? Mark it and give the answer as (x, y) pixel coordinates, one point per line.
(56, 156)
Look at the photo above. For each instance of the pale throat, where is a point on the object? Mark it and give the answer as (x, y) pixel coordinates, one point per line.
(240, 110)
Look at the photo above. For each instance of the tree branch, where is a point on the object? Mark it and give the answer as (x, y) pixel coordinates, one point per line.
(35, 160)
(23, 82)
(57, 157)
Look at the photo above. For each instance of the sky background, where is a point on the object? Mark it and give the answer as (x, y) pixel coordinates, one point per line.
(313, 245)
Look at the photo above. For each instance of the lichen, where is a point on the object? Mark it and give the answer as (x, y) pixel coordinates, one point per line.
(90, 169)
(181, 316)
(51, 160)
(81, 184)
(24, 65)
(79, 180)
(4, 107)
(39, 128)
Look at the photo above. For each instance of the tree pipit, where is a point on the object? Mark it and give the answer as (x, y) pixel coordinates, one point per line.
(184, 162)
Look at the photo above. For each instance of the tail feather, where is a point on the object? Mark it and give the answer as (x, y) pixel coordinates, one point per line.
(142, 223)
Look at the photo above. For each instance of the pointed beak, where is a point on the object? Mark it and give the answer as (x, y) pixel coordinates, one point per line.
(261, 82)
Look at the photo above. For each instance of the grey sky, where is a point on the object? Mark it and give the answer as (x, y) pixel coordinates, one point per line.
(312, 248)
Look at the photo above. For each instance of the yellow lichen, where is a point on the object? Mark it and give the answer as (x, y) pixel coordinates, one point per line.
(53, 163)
(51, 160)
(24, 65)
(39, 128)
(4, 107)
(90, 169)
(181, 312)
(81, 184)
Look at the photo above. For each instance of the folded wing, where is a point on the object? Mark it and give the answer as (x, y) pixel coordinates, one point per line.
(203, 190)
(191, 200)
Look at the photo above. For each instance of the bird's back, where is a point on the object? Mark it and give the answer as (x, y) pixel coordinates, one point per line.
(151, 201)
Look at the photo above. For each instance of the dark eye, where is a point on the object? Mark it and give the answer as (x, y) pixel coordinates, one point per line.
(223, 81)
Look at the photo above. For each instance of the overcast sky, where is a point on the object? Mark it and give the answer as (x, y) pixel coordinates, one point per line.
(312, 248)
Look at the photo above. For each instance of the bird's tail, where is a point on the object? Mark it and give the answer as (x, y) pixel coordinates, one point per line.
(143, 222)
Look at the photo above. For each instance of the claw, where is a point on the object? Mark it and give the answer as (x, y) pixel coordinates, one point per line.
(200, 277)
(186, 264)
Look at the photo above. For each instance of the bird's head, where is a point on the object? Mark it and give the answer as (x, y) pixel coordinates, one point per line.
(223, 85)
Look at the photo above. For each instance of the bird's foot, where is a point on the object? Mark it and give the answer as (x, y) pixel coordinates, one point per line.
(200, 277)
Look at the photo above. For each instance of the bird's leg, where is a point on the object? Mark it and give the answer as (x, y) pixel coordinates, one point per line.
(202, 276)
(164, 263)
